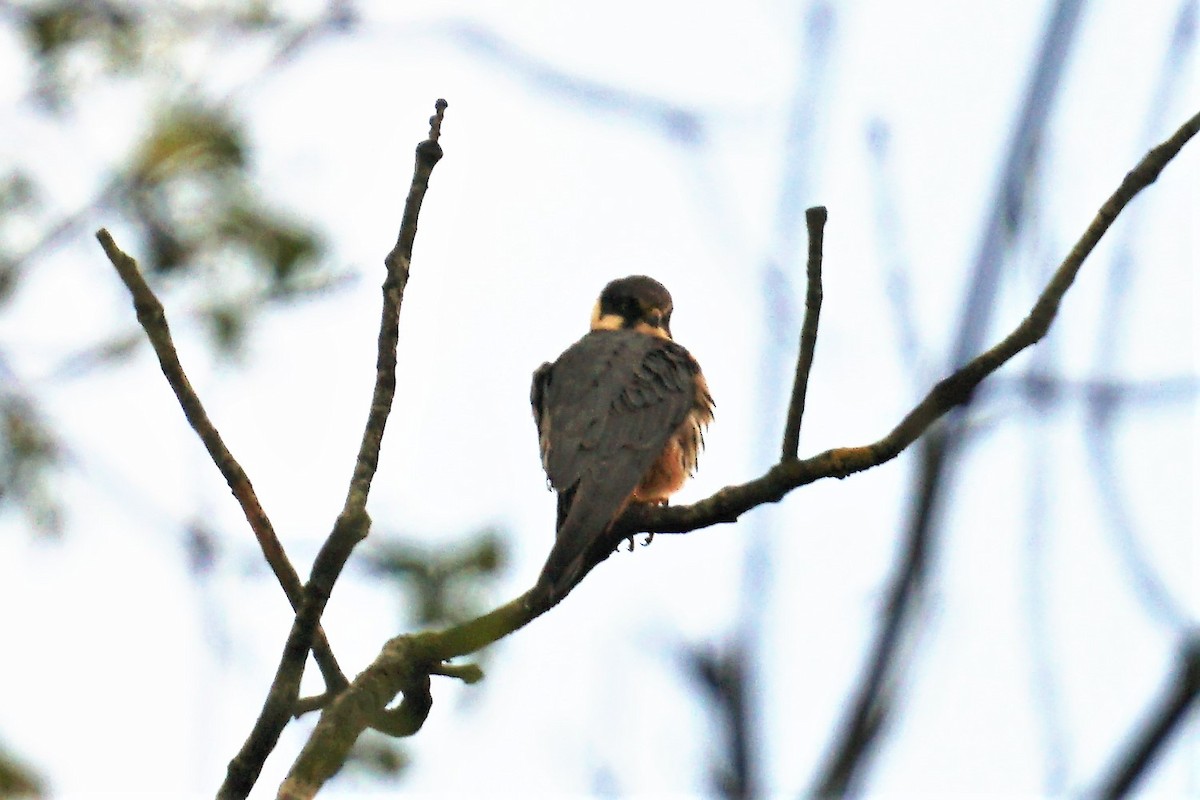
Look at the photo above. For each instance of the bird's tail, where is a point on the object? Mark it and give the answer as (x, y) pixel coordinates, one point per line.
(582, 542)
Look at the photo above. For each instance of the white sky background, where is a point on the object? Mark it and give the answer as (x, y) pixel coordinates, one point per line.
(153, 682)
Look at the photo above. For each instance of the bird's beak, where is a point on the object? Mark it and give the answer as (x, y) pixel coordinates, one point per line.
(657, 319)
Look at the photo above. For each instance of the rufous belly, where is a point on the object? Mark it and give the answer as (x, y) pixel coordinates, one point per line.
(665, 477)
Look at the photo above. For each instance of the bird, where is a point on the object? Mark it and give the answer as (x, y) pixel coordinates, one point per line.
(620, 417)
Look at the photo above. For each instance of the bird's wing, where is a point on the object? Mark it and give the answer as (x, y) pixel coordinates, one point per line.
(537, 399)
(605, 409)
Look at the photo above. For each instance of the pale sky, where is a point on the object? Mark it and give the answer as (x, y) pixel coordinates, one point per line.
(1035, 653)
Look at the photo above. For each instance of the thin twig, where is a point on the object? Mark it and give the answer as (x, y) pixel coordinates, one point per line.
(815, 219)
(153, 319)
(353, 522)
(595, 98)
(1143, 747)
(892, 255)
(1037, 577)
(429, 152)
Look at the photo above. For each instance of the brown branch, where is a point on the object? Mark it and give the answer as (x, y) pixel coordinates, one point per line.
(406, 662)
(815, 218)
(353, 523)
(1171, 711)
(429, 152)
(153, 319)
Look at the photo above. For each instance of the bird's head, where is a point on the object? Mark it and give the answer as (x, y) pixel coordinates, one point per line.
(634, 303)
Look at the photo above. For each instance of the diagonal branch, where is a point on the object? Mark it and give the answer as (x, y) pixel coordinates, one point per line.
(731, 502)
(153, 319)
(1170, 713)
(353, 523)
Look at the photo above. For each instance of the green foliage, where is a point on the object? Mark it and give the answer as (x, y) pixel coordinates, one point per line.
(194, 202)
(59, 32)
(186, 188)
(28, 456)
(188, 139)
(17, 780)
(192, 199)
(444, 585)
(18, 196)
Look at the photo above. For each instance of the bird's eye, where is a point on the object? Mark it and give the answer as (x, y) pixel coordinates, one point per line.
(654, 317)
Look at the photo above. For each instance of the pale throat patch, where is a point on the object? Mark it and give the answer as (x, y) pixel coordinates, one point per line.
(615, 322)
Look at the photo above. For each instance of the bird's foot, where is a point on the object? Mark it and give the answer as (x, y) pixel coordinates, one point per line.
(631, 540)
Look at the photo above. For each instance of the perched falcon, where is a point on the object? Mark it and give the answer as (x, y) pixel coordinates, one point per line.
(620, 418)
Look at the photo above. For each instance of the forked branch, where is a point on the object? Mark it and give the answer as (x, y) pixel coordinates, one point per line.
(406, 662)
(353, 523)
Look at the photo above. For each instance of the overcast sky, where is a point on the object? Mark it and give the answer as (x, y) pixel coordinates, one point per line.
(583, 142)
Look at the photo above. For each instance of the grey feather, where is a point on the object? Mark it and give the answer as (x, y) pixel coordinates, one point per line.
(604, 411)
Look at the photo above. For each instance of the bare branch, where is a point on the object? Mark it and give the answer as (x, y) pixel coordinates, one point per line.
(153, 319)
(1170, 713)
(353, 523)
(429, 152)
(815, 218)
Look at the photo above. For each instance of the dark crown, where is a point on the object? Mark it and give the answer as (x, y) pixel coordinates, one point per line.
(631, 297)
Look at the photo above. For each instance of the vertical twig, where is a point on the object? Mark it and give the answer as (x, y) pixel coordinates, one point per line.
(815, 219)
(429, 152)
(352, 523)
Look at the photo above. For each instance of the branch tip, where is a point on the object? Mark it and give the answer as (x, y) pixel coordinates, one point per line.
(467, 673)
(435, 122)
